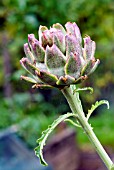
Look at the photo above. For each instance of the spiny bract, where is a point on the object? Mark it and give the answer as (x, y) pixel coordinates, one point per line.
(58, 59)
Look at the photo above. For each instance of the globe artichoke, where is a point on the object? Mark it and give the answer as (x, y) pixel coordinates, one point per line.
(58, 59)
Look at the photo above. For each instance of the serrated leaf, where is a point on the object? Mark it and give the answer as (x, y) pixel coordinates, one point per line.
(42, 140)
(83, 89)
(97, 104)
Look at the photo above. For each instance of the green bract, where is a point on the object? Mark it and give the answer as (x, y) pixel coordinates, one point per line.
(58, 59)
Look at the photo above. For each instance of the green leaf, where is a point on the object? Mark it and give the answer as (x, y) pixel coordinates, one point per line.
(83, 89)
(42, 140)
(97, 104)
(72, 122)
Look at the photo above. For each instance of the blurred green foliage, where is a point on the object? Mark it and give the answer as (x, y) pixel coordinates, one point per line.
(30, 112)
(21, 17)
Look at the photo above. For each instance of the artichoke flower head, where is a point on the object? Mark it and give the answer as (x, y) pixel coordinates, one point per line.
(58, 59)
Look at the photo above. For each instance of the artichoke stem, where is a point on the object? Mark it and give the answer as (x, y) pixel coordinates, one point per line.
(75, 105)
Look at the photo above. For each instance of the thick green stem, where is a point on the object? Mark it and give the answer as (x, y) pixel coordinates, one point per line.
(75, 105)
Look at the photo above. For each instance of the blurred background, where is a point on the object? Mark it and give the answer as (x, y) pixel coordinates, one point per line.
(33, 110)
